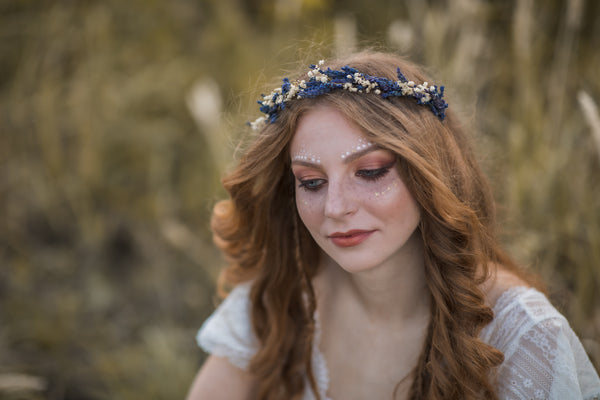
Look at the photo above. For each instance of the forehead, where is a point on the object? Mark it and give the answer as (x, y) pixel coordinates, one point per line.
(326, 128)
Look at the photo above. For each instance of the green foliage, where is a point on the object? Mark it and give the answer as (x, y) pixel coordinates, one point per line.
(107, 179)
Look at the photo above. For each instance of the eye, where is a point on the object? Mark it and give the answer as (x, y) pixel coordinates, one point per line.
(373, 174)
(312, 185)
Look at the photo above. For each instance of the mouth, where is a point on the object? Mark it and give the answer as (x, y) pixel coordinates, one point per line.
(350, 238)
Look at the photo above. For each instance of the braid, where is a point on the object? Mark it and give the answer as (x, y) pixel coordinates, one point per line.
(311, 305)
(454, 357)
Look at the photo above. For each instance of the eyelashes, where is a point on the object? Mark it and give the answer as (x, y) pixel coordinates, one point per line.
(370, 175)
(373, 174)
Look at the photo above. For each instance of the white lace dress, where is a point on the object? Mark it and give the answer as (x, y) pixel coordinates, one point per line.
(544, 359)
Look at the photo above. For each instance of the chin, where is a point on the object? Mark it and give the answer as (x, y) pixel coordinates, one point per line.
(354, 264)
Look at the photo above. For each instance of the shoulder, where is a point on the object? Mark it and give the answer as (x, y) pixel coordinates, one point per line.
(516, 311)
(500, 281)
(215, 378)
(543, 356)
(228, 331)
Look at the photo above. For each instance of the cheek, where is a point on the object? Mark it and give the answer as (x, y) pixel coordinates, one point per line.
(309, 207)
(385, 191)
(382, 191)
(390, 198)
(401, 207)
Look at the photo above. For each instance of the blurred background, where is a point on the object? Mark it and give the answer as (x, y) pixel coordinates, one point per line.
(117, 119)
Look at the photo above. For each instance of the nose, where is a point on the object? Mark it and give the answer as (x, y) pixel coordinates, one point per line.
(339, 201)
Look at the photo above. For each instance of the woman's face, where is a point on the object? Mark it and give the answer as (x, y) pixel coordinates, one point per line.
(349, 193)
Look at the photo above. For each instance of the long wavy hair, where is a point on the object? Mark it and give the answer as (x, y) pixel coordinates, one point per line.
(259, 231)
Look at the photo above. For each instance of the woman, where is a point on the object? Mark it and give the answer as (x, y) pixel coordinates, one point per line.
(363, 258)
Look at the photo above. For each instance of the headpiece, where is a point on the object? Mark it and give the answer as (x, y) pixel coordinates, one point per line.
(348, 78)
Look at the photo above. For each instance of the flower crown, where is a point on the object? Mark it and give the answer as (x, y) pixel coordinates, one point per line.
(348, 78)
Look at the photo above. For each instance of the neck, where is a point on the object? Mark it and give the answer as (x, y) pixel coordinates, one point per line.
(392, 292)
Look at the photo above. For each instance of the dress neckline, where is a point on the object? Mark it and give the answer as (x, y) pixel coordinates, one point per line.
(321, 370)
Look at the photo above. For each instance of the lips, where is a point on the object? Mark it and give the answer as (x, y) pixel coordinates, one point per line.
(350, 238)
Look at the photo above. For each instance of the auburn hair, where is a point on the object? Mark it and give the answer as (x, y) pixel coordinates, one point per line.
(259, 231)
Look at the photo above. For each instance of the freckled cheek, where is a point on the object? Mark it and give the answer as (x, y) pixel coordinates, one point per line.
(395, 201)
(382, 191)
(310, 206)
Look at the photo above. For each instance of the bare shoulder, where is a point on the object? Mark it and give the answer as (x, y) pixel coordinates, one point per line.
(219, 379)
(501, 279)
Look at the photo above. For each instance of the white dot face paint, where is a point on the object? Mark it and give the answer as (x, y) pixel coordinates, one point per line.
(362, 145)
(352, 201)
(304, 155)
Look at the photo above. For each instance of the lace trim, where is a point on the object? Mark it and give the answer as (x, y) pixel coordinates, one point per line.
(544, 359)
(536, 367)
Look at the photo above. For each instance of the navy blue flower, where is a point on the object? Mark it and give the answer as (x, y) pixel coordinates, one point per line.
(321, 82)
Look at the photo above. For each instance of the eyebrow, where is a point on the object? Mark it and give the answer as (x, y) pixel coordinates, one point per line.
(353, 156)
(306, 164)
(347, 160)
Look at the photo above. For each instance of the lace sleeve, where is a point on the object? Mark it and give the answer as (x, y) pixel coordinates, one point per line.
(228, 331)
(544, 359)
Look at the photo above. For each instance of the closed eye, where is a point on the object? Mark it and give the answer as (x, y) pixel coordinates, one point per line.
(373, 174)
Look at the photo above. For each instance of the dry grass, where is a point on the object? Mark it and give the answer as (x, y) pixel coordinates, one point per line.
(107, 178)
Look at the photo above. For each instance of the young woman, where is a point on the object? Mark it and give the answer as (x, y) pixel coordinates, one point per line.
(363, 258)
